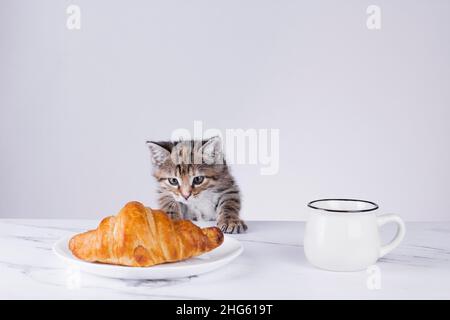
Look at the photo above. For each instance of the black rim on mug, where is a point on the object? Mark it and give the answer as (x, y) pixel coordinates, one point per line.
(311, 205)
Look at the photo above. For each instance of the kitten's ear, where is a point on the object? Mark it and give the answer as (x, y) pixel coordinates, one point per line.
(160, 151)
(212, 150)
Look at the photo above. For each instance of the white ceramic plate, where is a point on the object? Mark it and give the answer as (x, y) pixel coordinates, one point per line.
(225, 253)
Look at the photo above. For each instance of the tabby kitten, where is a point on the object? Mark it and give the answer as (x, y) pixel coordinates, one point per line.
(195, 182)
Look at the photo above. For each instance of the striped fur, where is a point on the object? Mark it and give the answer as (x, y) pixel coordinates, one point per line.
(216, 197)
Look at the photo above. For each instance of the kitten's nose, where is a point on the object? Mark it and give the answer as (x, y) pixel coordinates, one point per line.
(186, 195)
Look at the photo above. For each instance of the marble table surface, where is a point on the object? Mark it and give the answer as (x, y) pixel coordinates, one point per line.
(272, 266)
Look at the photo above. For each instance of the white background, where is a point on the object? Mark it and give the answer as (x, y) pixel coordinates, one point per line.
(361, 113)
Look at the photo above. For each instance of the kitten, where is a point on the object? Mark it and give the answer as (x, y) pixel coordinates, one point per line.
(195, 182)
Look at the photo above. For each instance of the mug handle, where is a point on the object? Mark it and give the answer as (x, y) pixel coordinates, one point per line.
(401, 230)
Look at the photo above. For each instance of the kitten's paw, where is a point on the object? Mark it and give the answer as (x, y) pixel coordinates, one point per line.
(174, 215)
(232, 226)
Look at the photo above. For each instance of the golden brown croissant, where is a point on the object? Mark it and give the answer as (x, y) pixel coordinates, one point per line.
(142, 237)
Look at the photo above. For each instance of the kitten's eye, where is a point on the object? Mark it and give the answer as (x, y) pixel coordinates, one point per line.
(173, 181)
(198, 179)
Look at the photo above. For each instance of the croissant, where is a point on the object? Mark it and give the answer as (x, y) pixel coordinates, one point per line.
(142, 237)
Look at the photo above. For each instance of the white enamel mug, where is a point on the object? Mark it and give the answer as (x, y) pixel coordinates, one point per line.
(343, 235)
